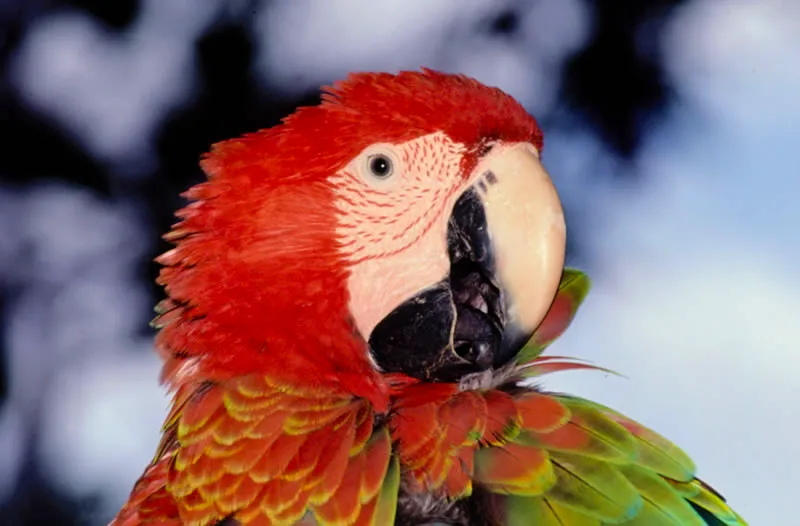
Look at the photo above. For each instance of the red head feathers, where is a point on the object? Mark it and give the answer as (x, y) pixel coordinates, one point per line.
(256, 281)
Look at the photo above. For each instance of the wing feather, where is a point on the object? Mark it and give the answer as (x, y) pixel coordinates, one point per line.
(259, 453)
(561, 459)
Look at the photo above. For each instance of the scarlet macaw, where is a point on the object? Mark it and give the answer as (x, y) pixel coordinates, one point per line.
(356, 302)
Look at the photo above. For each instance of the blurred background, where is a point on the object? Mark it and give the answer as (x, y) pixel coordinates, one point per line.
(671, 129)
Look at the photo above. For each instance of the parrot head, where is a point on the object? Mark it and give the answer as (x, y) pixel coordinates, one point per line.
(404, 225)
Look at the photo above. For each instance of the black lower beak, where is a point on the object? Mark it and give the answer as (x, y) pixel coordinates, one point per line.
(458, 326)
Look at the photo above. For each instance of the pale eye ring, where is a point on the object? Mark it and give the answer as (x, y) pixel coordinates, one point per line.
(380, 166)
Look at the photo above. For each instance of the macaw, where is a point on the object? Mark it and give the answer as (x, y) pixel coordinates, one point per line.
(357, 303)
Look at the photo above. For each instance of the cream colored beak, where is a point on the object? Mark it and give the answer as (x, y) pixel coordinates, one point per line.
(527, 233)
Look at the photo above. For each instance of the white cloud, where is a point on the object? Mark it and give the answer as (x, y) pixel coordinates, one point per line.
(111, 90)
(306, 43)
(738, 58)
(75, 356)
(101, 424)
(74, 258)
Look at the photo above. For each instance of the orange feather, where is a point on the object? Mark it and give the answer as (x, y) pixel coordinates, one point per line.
(268, 468)
(541, 413)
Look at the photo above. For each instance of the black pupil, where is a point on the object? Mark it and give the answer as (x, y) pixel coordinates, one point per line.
(380, 166)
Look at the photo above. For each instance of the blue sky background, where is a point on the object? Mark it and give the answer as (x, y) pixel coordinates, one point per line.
(692, 241)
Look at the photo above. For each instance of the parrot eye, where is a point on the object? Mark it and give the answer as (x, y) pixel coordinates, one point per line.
(380, 166)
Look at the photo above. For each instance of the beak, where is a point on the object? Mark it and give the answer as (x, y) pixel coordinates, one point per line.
(506, 240)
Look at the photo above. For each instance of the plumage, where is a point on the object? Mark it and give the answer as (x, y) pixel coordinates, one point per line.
(261, 453)
(311, 460)
(284, 413)
(576, 462)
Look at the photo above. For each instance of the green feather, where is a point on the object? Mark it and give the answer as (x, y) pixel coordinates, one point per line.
(663, 457)
(653, 451)
(607, 439)
(572, 291)
(663, 505)
(386, 507)
(651, 515)
(704, 497)
(594, 488)
(538, 511)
